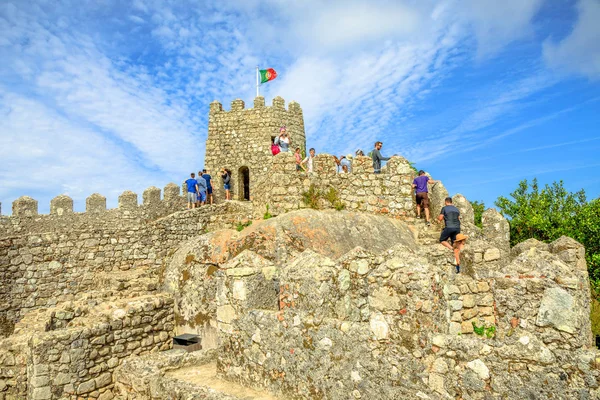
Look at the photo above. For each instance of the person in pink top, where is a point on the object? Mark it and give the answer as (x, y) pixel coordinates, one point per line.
(298, 156)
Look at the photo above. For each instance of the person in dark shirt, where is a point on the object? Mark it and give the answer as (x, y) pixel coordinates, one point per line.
(420, 184)
(209, 189)
(226, 176)
(377, 157)
(451, 217)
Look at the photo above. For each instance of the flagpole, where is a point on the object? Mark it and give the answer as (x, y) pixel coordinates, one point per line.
(257, 84)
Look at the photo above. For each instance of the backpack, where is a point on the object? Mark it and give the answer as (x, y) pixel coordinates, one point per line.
(275, 149)
(370, 154)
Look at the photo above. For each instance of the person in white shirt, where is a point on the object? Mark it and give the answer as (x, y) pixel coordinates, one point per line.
(309, 160)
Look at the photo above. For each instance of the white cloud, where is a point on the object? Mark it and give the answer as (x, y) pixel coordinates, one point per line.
(136, 19)
(44, 154)
(497, 23)
(579, 52)
(140, 88)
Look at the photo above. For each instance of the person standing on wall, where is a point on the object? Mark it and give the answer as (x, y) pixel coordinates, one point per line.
(209, 189)
(226, 176)
(377, 157)
(309, 160)
(201, 189)
(451, 233)
(192, 189)
(298, 156)
(422, 194)
(283, 140)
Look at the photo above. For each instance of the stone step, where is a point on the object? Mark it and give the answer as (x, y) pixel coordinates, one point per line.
(205, 377)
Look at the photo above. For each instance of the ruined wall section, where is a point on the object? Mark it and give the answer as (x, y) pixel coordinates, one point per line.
(71, 352)
(396, 326)
(389, 193)
(42, 269)
(242, 136)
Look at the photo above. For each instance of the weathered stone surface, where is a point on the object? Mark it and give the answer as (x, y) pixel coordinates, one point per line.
(25, 206)
(496, 229)
(479, 368)
(128, 200)
(61, 205)
(528, 244)
(467, 215)
(95, 203)
(557, 309)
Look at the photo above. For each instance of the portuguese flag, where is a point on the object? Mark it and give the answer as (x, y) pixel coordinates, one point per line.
(267, 75)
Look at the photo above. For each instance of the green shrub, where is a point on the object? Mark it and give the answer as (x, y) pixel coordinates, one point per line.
(267, 214)
(311, 197)
(241, 225)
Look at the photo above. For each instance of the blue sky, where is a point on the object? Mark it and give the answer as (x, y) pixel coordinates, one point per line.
(102, 96)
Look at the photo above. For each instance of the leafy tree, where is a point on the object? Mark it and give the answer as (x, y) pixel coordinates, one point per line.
(544, 214)
(478, 209)
(585, 228)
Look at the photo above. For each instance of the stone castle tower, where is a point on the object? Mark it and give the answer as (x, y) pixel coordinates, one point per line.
(240, 140)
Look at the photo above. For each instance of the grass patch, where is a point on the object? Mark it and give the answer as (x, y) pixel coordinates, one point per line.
(312, 196)
(267, 214)
(241, 225)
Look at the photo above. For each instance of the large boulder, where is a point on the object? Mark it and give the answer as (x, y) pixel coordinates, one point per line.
(193, 271)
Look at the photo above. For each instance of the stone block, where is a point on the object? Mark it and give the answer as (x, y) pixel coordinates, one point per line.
(259, 102)
(466, 327)
(86, 387)
(237, 105)
(24, 206)
(104, 380)
(128, 200)
(466, 209)
(151, 196)
(279, 102)
(171, 192)
(95, 203)
(61, 205)
(468, 301)
(479, 368)
(558, 309)
(215, 107)
(491, 254)
(43, 393)
(379, 326)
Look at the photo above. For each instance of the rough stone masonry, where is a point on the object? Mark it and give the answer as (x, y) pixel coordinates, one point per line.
(311, 304)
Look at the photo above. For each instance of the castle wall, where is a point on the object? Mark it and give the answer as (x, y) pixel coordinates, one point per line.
(399, 326)
(54, 361)
(389, 193)
(242, 136)
(48, 259)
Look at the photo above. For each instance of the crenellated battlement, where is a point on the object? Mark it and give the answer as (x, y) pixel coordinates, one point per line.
(62, 205)
(259, 104)
(25, 217)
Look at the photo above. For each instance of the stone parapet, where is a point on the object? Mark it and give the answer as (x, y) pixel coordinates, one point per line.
(95, 203)
(25, 206)
(61, 205)
(128, 200)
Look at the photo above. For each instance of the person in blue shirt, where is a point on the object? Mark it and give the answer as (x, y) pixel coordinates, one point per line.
(209, 189)
(192, 190)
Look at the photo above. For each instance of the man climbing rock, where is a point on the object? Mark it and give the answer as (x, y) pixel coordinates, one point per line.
(420, 184)
(451, 217)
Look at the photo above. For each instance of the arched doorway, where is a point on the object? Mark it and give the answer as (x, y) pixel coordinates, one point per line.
(244, 183)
